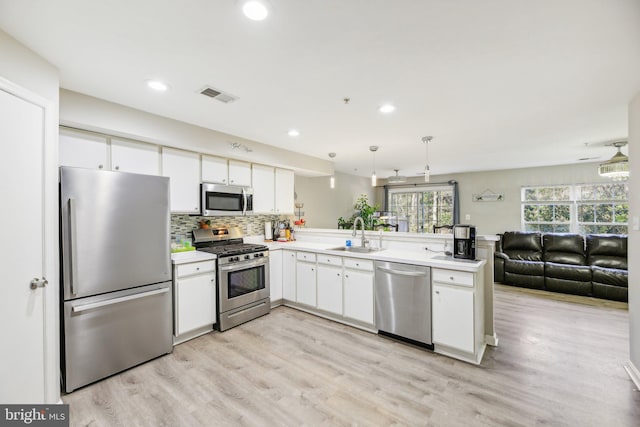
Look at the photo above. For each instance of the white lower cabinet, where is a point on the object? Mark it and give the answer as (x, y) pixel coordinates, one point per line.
(289, 275)
(194, 298)
(455, 312)
(306, 280)
(275, 275)
(330, 287)
(358, 285)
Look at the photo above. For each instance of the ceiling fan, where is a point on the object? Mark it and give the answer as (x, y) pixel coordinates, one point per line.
(396, 179)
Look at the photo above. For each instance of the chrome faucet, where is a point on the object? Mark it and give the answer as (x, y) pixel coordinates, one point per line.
(355, 228)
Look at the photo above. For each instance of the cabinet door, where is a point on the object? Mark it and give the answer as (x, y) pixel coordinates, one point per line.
(289, 275)
(263, 189)
(284, 191)
(358, 295)
(239, 173)
(83, 150)
(306, 283)
(453, 317)
(196, 302)
(135, 157)
(214, 169)
(330, 288)
(275, 275)
(183, 170)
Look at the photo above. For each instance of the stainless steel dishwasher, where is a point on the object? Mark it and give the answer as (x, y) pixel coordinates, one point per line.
(403, 301)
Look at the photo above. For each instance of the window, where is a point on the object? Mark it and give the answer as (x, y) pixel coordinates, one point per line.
(422, 206)
(585, 208)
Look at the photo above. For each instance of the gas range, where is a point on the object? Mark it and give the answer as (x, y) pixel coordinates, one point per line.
(243, 275)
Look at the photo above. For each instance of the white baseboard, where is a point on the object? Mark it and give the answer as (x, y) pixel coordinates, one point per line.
(491, 340)
(633, 373)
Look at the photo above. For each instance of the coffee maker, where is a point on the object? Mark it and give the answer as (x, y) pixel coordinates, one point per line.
(464, 241)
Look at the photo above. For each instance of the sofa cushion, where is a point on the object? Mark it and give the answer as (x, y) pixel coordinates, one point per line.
(532, 268)
(607, 250)
(524, 280)
(610, 276)
(568, 272)
(564, 248)
(525, 246)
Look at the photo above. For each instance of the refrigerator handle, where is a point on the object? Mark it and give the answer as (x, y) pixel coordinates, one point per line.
(91, 306)
(72, 247)
(244, 202)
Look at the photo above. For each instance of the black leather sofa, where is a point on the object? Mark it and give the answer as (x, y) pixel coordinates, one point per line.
(562, 262)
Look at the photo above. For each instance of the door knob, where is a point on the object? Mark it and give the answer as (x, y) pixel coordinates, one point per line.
(38, 283)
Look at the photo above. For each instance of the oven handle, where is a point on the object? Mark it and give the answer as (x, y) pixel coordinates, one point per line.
(244, 265)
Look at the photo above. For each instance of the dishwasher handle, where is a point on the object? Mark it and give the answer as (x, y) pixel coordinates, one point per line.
(403, 272)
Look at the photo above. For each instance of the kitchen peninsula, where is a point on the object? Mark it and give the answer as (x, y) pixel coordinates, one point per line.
(315, 275)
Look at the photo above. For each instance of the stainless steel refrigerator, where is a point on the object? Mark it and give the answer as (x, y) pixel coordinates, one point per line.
(116, 272)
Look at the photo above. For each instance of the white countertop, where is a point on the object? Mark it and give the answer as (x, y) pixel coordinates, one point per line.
(416, 257)
(191, 256)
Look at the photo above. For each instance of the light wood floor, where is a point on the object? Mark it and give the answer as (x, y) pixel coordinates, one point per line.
(559, 363)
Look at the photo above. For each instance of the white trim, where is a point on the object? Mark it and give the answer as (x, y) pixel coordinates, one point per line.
(491, 340)
(51, 380)
(633, 372)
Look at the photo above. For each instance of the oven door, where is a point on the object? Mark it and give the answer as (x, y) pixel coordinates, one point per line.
(243, 283)
(225, 200)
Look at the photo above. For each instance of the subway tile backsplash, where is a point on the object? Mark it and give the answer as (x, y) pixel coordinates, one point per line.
(251, 225)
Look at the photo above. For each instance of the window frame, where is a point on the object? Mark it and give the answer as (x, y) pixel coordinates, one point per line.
(574, 201)
(417, 189)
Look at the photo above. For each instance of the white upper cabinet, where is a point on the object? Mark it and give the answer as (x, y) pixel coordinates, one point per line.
(239, 173)
(263, 189)
(183, 170)
(135, 157)
(214, 170)
(284, 191)
(83, 150)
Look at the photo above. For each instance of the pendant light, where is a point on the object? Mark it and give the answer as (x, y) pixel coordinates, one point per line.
(332, 180)
(616, 168)
(374, 179)
(427, 172)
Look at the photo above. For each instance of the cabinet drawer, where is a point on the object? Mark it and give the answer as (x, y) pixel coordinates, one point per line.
(195, 268)
(358, 264)
(306, 256)
(461, 278)
(329, 260)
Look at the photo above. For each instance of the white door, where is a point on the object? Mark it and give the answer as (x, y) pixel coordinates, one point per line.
(214, 169)
(22, 321)
(284, 191)
(330, 288)
(263, 196)
(306, 283)
(275, 275)
(83, 150)
(358, 295)
(289, 275)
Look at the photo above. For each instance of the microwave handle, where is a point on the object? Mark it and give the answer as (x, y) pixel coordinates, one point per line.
(244, 202)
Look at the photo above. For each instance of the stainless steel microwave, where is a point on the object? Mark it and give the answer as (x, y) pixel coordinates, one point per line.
(225, 200)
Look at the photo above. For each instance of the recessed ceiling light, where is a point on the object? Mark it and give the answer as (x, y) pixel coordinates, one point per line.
(387, 108)
(255, 10)
(157, 85)
(293, 132)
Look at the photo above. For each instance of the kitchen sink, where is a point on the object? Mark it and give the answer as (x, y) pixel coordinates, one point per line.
(358, 249)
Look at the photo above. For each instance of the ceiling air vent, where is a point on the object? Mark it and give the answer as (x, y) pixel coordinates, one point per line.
(218, 95)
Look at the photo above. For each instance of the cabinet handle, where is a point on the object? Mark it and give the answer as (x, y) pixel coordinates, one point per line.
(198, 268)
(450, 277)
(346, 275)
(231, 181)
(100, 166)
(438, 292)
(224, 180)
(338, 274)
(117, 167)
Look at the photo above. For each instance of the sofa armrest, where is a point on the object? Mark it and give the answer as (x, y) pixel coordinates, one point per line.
(501, 255)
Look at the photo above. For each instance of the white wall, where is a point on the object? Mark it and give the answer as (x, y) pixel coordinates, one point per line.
(498, 217)
(323, 205)
(86, 112)
(25, 68)
(634, 235)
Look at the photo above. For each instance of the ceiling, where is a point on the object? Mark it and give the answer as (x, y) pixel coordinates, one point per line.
(499, 83)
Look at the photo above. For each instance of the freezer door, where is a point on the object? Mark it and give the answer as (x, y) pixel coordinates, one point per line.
(110, 333)
(114, 231)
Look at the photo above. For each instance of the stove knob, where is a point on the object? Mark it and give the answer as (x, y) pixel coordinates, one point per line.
(247, 257)
(261, 254)
(235, 259)
(256, 255)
